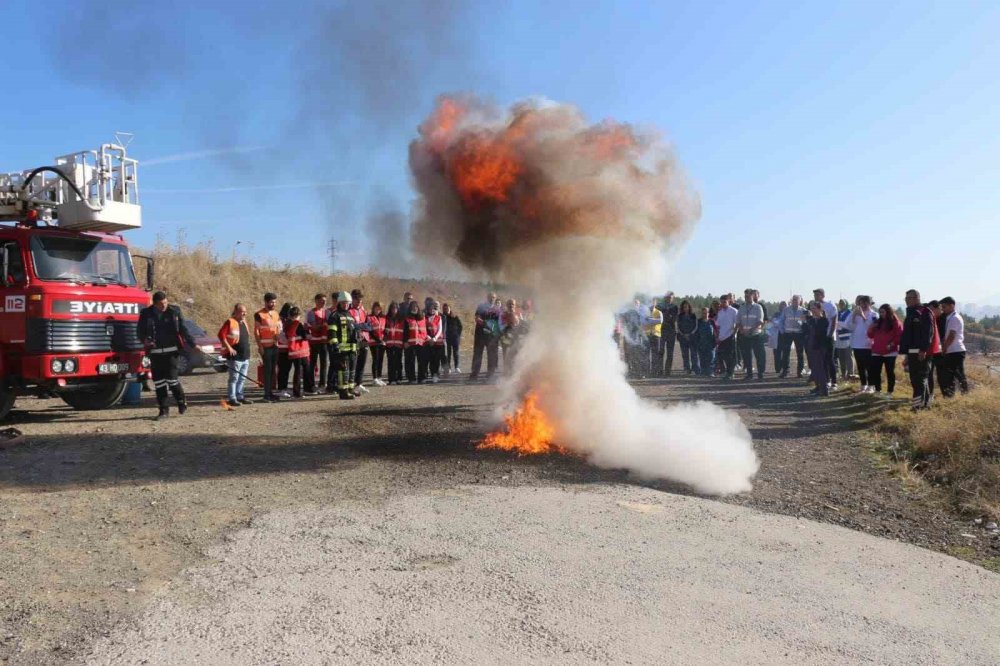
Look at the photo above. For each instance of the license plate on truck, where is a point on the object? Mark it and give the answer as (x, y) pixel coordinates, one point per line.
(112, 368)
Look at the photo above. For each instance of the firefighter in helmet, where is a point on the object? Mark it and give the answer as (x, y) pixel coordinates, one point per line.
(160, 329)
(343, 337)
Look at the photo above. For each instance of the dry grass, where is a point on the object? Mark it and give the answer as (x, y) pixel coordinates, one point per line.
(206, 286)
(956, 444)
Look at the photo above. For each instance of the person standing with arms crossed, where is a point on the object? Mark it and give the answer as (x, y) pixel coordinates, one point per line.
(159, 328)
(484, 339)
(266, 328)
(726, 320)
(668, 335)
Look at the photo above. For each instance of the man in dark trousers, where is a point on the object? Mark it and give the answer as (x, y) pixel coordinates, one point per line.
(486, 319)
(266, 329)
(159, 328)
(668, 335)
(363, 328)
(916, 344)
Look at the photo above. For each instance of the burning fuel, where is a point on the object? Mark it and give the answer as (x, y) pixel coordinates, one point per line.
(581, 215)
(527, 431)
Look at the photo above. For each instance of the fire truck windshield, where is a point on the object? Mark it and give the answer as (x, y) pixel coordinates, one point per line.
(81, 260)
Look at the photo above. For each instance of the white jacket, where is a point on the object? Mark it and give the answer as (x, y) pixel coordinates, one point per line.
(858, 326)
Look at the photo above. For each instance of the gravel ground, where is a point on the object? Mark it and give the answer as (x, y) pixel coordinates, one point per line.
(99, 511)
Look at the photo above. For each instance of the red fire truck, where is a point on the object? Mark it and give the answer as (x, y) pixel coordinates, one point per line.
(69, 298)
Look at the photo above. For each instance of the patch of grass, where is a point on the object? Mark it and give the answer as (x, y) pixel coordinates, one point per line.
(955, 445)
(991, 563)
(962, 552)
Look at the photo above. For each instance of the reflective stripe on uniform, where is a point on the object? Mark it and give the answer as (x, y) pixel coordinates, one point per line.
(162, 350)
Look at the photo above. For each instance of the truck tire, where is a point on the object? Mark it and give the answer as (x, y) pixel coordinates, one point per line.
(184, 366)
(6, 402)
(101, 396)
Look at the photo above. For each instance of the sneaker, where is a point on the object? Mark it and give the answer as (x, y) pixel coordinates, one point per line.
(360, 389)
(164, 413)
(888, 396)
(244, 401)
(435, 379)
(284, 394)
(458, 370)
(378, 382)
(233, 403)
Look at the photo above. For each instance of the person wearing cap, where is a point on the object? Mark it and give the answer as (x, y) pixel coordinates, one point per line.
(343, 338)
(160, 328)
(363, 328)
(266, 328)
(917, 346)
(830, 359)
(668, 336)
(952, 362)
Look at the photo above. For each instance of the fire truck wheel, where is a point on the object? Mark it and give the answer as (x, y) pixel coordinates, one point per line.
(102, 396)
(183, 364)
(6, 402)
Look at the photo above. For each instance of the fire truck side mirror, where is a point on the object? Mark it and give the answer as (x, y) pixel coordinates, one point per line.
(150, 270)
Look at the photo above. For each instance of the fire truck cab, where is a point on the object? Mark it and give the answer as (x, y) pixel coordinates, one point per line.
(69, 296)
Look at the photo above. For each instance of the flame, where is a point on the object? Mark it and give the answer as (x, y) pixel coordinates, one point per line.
(225, 405)
(528, 431)
(484, 170)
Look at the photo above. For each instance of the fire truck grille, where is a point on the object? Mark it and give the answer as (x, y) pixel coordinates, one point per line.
(59, 335)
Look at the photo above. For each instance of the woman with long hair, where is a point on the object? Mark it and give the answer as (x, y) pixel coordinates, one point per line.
(394, 342)
(687, 325)
(885, 333)
(376, 319)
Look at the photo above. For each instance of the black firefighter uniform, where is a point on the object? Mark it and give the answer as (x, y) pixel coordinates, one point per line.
(343, 339)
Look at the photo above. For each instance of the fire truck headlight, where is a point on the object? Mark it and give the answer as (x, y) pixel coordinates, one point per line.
(208, 349)
(69, 365)
(145, 362)
(56, 365)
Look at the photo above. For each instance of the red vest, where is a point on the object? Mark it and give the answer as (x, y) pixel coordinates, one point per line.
(318, 328)
(297, 347)
(360, 317)
(393, 333)
(434, 331)
(378, 327)
(416, 331)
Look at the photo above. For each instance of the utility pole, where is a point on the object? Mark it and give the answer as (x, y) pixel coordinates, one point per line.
(331, 250)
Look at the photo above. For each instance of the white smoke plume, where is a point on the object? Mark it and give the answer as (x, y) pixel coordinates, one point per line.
(581, 215)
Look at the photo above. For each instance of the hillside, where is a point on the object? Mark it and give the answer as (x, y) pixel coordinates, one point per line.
(207, 287)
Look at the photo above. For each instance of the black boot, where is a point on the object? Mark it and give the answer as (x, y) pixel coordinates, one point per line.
(178, 392)
(164, 413)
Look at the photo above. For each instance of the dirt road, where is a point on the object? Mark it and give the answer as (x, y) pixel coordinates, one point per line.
(106, 515)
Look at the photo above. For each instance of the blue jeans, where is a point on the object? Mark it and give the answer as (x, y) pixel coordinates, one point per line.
(237, 380)
(706, 361)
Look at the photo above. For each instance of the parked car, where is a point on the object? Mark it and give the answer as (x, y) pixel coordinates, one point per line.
(201, 350)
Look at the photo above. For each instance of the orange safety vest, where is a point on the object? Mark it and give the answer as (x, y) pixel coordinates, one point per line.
(297, 347)
(393, 333)
(378, 327)
(230, 332)
(416, 331)
(266, 326)
(360, 317)
(318, 329)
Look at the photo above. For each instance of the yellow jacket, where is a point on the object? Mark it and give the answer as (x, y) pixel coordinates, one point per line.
(651, 323)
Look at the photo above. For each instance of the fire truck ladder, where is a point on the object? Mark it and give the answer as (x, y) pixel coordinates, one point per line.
(92, 190)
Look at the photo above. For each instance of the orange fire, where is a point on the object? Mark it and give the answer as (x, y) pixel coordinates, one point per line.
(484, 170)
(527, 431)
(225, 405)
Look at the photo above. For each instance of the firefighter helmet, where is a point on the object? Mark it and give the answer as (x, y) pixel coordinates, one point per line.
(343, 297)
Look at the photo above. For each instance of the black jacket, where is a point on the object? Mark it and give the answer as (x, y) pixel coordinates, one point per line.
(918, 330)
(453, 329)
(161, 330)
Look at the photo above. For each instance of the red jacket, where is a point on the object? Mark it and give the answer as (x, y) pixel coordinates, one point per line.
(416, 331)
(885, 342)
(360, 317)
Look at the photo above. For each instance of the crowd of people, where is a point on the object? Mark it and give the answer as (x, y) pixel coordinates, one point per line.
(327, 348)
(832, 342)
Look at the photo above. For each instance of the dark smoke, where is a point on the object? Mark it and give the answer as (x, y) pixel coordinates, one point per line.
(356, 72)
(389, 241)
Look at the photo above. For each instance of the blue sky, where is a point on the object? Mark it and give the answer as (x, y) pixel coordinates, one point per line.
(852, 145)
